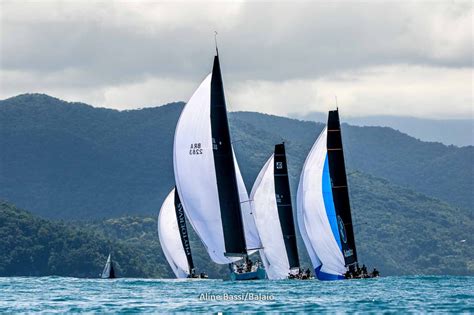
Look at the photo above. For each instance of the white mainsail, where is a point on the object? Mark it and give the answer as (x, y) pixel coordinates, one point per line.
(195, 177)
(265, 211)
(170, 239)
(316, 216)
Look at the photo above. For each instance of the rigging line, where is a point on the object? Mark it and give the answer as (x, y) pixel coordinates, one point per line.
(215, 41)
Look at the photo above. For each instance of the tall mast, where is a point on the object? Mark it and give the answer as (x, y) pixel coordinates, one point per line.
(340, 192)
(231, 215)
(285, 209)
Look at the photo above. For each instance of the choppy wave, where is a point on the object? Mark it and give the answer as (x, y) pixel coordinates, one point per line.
(387, 294)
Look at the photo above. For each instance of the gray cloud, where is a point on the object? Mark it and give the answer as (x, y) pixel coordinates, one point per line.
(94, 49)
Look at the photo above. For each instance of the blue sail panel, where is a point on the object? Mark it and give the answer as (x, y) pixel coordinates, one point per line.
(324, 276)
(329, 203)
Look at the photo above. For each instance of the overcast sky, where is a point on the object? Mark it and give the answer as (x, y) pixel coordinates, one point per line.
(278, 57)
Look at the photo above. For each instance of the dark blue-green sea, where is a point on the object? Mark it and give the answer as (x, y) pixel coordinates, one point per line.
(386, 294)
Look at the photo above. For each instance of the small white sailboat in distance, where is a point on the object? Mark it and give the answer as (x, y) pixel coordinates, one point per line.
(208, 178)
(109, 269)
(174, 238)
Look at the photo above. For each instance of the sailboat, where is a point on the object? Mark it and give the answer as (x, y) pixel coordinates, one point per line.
(209, 181)
(271, 201)
(174, 238)
(323, 207)
(109, 271)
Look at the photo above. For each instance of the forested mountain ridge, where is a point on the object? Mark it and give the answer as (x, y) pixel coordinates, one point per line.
(459, 132)
(74, 161)
(444, 172)
(397, 230)
(31, 246)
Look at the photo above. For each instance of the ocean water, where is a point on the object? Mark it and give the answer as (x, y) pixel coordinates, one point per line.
(399, 294)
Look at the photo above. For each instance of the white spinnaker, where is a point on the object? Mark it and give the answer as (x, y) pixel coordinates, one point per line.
(265, 211)
(312, 217)
(170, 239)
(195, 173)
(252, 238)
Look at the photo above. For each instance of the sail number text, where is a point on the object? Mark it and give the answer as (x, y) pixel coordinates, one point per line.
(195, 149)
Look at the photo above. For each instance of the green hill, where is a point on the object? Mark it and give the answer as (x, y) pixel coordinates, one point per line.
(140, 233)
(30, 246)
(405, 232)
(74, 161)
(397, 230)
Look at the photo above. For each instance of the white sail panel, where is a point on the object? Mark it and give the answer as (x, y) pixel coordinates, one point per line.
(195, 173)
(268, 224)
(312, 215)
(252, 238)
(170, 239)
(301, 226)
(107, 268)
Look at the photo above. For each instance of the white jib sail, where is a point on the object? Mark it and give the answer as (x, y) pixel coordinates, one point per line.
(265, 211)
(170, 239)
(312, 216)
(250, 229)
(195, 173)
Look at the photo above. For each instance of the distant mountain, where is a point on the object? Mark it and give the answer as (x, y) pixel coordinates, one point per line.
(459, 132)
(74, 161)
(444, 172)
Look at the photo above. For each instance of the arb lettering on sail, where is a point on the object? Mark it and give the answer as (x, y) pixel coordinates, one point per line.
(323, 207)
